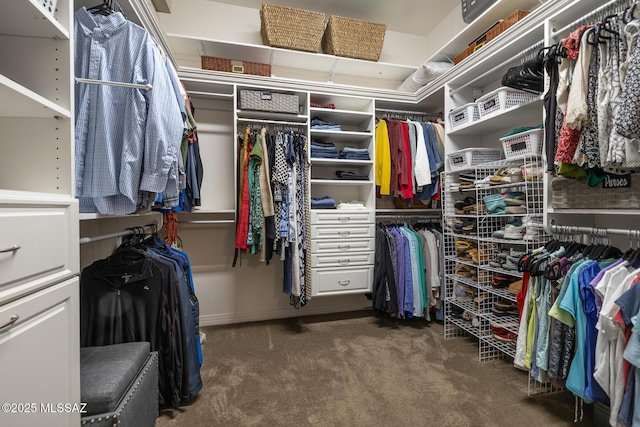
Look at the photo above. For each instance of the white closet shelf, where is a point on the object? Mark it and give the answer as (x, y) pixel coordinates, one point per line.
(501, 120)
(29, 18)
(265, 115)
(338, 182)
(18, 101)
(501, 9)
(346, 117)
(187, 51)
(341, 136)
(339, 162)
(151, 215)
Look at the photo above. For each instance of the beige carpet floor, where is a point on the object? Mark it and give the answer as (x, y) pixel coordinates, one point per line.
(348, 370)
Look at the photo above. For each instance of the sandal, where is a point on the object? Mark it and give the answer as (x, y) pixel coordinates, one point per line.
(515, 287)
(462, 246)
(499, 176)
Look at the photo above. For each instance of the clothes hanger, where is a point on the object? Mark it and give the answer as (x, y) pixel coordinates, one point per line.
(102, 9)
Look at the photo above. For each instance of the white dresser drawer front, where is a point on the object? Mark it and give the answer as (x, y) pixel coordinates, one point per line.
(351, 280)
(342, 217)
(35, 241)
(342, 260)
(342, 246)
(346, 232)
(44, 323)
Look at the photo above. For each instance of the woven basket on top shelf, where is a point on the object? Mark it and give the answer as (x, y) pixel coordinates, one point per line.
(214, 63)
(353, 38)
(291, 28)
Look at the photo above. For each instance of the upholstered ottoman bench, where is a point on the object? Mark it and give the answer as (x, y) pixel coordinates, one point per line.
(119, 384)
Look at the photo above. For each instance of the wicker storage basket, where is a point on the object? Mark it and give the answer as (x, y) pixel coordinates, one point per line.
(291, 28)
(353, 38)
(572, 194)
(261, 100)
(232, 66)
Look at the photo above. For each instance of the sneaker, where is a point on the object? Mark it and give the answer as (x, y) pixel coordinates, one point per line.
(511, 263)
(514, 230)
(505, 336)
(498, 234)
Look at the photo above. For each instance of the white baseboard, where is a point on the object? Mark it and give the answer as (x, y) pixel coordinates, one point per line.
(281, 313)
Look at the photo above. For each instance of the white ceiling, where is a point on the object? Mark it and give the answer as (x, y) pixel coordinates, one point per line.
(404, 16)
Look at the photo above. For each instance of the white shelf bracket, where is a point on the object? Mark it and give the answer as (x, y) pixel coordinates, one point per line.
(332, 71)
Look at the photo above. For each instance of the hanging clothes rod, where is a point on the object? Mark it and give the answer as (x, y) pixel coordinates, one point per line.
(592, 231)
(85, 240)
(497, 67)
(594, 14)
(213, 221)
(413, 212)
(120, 84)
(419, 217)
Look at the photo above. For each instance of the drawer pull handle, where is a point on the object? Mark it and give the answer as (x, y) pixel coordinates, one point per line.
(344, 261)
(343, 218)
(344, 233)
(11, 321)
(344, 282)
(347, 247)
(13, 248)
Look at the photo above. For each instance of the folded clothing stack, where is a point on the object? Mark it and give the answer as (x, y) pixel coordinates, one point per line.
(319, 124)
(351, 176)
(324, 150)
(351, 153)
(353, 205)
(325, 202)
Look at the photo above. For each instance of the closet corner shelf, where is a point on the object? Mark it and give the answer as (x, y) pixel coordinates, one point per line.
(18, 101)
(501, 120)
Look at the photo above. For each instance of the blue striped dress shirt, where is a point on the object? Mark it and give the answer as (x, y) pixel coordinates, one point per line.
(126, 139)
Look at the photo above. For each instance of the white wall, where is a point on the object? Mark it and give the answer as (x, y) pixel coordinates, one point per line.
(250, 291)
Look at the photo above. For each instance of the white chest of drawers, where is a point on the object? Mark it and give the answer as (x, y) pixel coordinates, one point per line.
(342, 252)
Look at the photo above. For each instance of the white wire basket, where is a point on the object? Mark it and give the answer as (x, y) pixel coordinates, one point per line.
(470, 157)
(522, 144)
(467, 113)
(502, 99)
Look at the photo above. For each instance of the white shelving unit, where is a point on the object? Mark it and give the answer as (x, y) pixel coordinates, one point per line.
(343, 241)
(39, 250)
(486, 132)
(488, 246)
